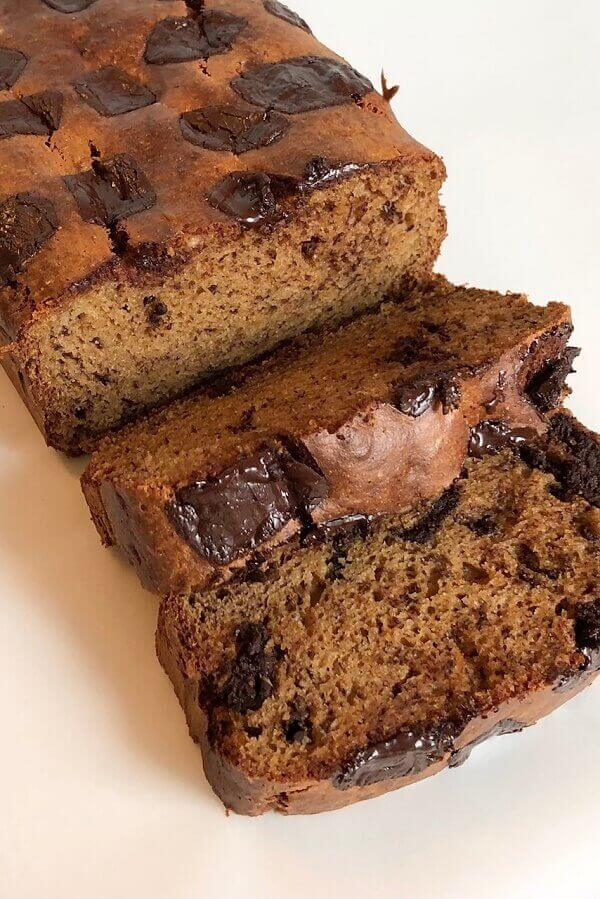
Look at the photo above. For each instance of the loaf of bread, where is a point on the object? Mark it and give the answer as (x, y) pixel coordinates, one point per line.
(185, 185)
(365, 419)
(357, 660)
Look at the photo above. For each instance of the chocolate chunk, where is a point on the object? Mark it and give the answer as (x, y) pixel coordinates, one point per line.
(587, 632)
(111, 190)
(506, 726)
(301, 84)
(343, 529)
(27, 221)
(231, 128)
(320, 171)
(484, 525)
(406, 755)
(111, 91)
(288, 15)
(572, 455)
(69, 6)
(298, 727)
(251, 197)
(252, 676)
(12, 63)
(434, 517)
(545, 388)
(155, 310)
(417, 397)
(493, 436)
(36, 114)
(198, 36)
(227, 516)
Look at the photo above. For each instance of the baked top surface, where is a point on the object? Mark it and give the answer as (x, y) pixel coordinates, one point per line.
(91, 95)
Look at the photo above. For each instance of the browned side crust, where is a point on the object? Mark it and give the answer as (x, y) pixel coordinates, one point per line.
(254, 797)
(378, 461)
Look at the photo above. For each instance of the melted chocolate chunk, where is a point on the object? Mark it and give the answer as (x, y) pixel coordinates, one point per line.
(227, 516)
(545, 389)
(252, 676)
(298, 727)
(506, 726)
(251, 197)
(27, 221)
(417, 397)
(288, 15)
(233, 129)
(12, 63)
(69, 6)
(427, 526)
(206, 33)
(320, 171)
(36, 114)
(493, 436)
(406, 755)
(111, 91)
(587, 632)
(338, 530)
(572, 455)
(111, 190)
(301, 84)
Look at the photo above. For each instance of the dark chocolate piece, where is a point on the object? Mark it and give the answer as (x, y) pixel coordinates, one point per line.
(301, 84)
(418, 396)
(69, 6)
(36, 114)
(231, 128)
(27, 221)
(252, 198)
(207, 33)
(434, 517)
(288, 15)
(252, 677)
(577, 465)
(492, 436)
(545, 388)
(587, 632)
(227, 516)
(483, 525)
(155, 310)
(405, 755)
(111, 190)
(320, 171)
(12, 63)
(298, 727)
(111, 91)
(506, 726)
(343, 529)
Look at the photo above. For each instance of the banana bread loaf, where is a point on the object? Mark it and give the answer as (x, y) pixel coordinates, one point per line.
(368, 418)
(183, 186)
(357, 661)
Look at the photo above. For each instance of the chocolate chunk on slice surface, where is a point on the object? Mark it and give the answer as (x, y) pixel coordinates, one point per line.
(179, 39)
(251, 197)
(69, 6)
(407, 754)
(251, 679)
(36, 114)
(111, 190)
(288, 15)
(112, 92)
(301, 84)
(12, 64)
(232, 129)
(27, 222)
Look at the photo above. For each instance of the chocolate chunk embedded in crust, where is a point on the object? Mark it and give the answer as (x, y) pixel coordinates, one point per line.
(111, 190)
(288, 15)
(546, 387)
(112, 92)
(12, 63)
(35, 114)
(231, 128)
(252, 198)
(27, 221)
(178, 39)
(69, 6)
(506, 726)
(301, 84)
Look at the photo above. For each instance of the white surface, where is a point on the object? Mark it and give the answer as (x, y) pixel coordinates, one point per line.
(101, 790)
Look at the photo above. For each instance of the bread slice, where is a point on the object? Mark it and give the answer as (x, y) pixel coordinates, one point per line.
(183, 187)
(366, 419)
(359, 660)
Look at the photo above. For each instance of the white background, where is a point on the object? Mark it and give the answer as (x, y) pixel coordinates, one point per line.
(101, 791)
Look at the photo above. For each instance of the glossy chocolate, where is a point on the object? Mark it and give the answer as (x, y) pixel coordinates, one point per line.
(112, 92)
(69, 6)
(35, 114)
(406, 755)
(545, 389)
(492, 436)
(197, 36)
(12, 63)
(252, 198)
(27, 222)
(506, 726)
(111, 190)
(417, 397)
(232, 129)
(227, 516)
(288, 15)
(301, 84)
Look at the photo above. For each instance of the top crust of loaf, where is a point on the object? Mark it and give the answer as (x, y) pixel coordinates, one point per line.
(115, 160)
